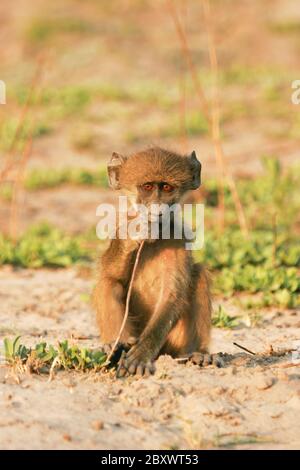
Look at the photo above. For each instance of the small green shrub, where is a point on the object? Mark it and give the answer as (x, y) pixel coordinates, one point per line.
(222, 320)
(43, 245)
(41, 357)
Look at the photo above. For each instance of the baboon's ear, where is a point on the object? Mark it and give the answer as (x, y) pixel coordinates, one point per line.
(113, 169)
(196, 170)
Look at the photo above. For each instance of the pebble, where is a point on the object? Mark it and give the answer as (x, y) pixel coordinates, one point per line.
(263, 383)
(97, 425)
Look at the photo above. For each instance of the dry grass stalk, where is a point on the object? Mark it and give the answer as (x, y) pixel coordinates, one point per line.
(189, 60)
(10, 161)
(275, 239)
(19, 165)
(213, 116)
(182, 88)
(182, 112)
(17, 187)
(216, 134)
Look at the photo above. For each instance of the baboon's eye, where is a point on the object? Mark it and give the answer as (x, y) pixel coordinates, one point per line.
(148, 186)
(167, 188)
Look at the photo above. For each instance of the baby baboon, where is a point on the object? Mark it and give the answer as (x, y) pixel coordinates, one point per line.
(170, 305)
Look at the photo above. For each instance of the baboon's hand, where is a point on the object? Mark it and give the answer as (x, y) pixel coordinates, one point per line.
(135, 363)
(130, 245)
(120, 348)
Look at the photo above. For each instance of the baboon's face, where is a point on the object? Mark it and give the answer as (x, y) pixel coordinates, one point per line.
(158, 192)
(155, 176)
(157, 196)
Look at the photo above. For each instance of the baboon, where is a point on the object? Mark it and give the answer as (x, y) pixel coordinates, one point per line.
(170, 305)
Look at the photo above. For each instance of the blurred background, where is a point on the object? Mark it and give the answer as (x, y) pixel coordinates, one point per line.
(84, 79)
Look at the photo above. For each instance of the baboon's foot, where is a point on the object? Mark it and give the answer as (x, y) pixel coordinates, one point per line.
(206, 359)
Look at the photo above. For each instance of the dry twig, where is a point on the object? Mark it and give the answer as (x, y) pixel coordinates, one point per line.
(244, 349)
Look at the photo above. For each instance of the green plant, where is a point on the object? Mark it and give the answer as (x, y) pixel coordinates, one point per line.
(41, 357)
(43, 245)
(43, 179)
(6, 191)
(8, 129)
(286, 27)
(255, 265)
(41, 30)
(222, 320)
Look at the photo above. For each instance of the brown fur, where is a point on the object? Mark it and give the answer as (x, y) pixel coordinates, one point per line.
(170, 306)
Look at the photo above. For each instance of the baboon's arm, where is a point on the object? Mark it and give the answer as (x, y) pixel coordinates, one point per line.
(110, 292)
(117, 261)
(155, 333)
(108, 301)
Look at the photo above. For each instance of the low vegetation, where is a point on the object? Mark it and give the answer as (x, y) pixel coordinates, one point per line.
(221, 319)
(43, 245)
(39, 179)
(43, 356)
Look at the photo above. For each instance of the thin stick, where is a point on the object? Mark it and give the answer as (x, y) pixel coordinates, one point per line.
(182, 360)
(244, 349)
(127, 303)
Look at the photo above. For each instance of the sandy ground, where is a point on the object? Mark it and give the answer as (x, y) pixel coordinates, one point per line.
(250, 403)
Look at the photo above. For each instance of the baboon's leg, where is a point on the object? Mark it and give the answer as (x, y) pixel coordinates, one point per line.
(202, 314)
(192, 332)
(202, 308)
